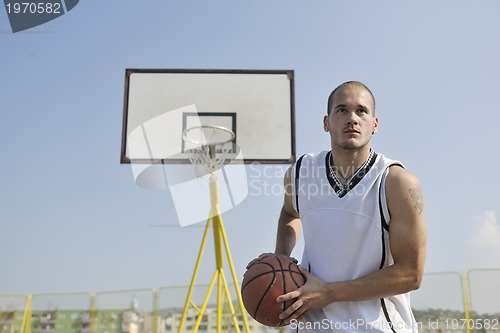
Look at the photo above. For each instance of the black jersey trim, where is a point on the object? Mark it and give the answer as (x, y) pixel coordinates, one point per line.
(332, 182)
(297, 175)
(386, 314)
(384, 224)
(341, 192)
(384, 228)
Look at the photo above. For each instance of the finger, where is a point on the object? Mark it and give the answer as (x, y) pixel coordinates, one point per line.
(304, 271)
(251, 263)
(297, 315)
(263, 255)
(260, 257)
(289, 296)
(288, 313)
(266, 254)
(303, 314)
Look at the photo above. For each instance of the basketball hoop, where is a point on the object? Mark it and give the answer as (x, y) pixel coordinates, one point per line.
(209, 147)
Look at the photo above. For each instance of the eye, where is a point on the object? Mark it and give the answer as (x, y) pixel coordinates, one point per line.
(341, 110)
(362, 111)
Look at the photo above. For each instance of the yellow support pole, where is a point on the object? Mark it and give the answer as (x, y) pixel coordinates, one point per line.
(235, 279)
(193, 279)
(219, 259)
(28, 312)
(216, 218)
(205, 303)
(230, 304)
(466, 303)
(220, 244)
(220, 301)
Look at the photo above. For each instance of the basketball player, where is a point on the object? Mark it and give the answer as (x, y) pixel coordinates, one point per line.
(362, 215)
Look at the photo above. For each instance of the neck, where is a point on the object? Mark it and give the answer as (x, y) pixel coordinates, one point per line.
(347, 161)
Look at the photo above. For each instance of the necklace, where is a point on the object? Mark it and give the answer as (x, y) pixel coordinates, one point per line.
(343, 186)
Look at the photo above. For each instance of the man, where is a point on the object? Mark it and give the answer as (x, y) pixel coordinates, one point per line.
(364, 227)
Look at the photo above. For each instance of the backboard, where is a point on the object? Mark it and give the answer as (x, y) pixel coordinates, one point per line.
(161, 104)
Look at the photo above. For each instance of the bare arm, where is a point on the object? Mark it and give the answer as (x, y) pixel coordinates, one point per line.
(408, 245)
(407, 242)
(289, 224)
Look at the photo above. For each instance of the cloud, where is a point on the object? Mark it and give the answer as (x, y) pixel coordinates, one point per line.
(484, 253)
(487, 232)
(484, 242)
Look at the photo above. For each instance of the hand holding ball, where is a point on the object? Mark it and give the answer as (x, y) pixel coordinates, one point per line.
(266, 278)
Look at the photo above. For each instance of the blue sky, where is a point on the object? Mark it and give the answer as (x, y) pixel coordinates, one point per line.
(72, 218)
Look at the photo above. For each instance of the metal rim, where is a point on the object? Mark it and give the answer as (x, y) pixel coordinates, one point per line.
(185, 135)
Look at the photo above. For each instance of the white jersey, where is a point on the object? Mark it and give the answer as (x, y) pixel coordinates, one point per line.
(346, 237)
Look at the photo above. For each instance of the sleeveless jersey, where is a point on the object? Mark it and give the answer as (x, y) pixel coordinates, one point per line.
(346, 237)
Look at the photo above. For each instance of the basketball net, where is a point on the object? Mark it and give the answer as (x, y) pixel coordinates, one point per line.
(207, 159)
(210, 147)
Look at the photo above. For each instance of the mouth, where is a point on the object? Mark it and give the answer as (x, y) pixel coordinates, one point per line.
(351, 131)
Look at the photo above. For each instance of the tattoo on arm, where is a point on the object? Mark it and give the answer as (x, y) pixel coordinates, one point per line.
(417, 198)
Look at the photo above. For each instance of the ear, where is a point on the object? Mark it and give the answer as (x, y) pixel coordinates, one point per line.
(325, 123)
(375, 125)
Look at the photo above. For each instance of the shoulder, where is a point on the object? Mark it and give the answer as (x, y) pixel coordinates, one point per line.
(312, 160)
(302, 168)
(398, 177)
(305, 161)
(403, 189)
(315, 155)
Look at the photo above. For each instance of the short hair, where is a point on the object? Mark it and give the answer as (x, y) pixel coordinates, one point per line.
(345, 84)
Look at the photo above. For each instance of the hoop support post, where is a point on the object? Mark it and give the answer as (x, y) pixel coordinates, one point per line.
(217, 220)
(220, 244)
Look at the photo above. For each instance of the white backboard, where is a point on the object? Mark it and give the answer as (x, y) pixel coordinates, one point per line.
(257, 105)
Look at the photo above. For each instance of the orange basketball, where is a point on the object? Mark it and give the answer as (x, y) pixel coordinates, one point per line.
(265, 280)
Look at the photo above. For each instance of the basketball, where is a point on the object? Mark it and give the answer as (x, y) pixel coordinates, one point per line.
(266, 279)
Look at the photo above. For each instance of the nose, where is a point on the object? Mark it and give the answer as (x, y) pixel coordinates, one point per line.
(352, 119)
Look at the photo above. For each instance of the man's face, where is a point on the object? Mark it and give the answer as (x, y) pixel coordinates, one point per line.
(351, 122)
